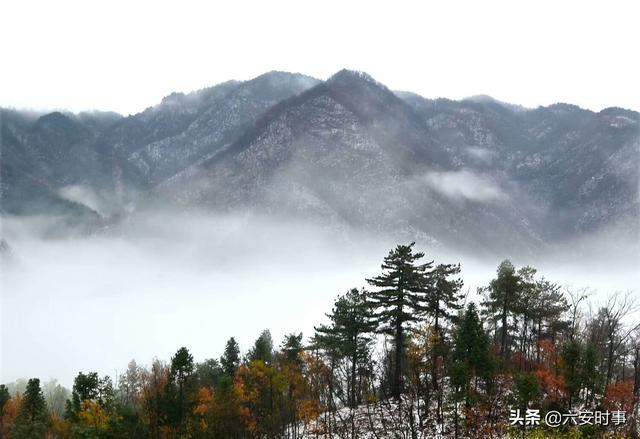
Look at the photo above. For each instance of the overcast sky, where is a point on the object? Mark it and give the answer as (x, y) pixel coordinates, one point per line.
(125, 55)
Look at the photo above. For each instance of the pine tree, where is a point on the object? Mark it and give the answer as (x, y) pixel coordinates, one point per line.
(348, 334)
(442, 304)
(88, 387)
(571, 358)
(180, 374)
(471, 353)
(443, 300)
(230, 360)
(292, 348)
(470, 359)
(527, 389)
(263, 348)
(399, 301)
(32, 421)
(547, 307)
(502, 301)
(208, 373)
(590, 375)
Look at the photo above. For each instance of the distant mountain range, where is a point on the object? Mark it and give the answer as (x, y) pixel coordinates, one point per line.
(476, 173)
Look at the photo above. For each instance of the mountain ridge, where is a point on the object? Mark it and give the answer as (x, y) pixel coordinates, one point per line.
(332, 149)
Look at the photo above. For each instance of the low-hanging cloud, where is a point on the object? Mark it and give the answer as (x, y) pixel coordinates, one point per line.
(465, 184)
(85, 196)
(162, 279)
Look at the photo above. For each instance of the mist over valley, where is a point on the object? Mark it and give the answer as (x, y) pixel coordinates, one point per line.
(252, 204)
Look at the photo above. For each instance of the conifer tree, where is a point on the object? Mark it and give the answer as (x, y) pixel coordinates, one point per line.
(263, 348)
(502, 300)
(590, 375)
(547, 307)
(442, 305)
(348, 333)
(230, 360)
(180, 373)
(292, 348)
(471, 354)
(399, 301)
(571, 359)
(88, 387)
(470, 359)
(208, 373)
(33, 420)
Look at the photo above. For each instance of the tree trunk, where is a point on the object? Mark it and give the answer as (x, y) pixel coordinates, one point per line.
(397, 371)
(434, 372)
(503, 341)
(353, 402)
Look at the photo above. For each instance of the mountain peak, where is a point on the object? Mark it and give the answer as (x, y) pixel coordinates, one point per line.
(56, 121)
(486, 99)
(352, 75)
(277, 77)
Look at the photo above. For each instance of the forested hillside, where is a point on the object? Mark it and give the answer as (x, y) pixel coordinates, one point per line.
(404, 355)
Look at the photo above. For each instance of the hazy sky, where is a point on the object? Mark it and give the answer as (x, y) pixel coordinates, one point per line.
(125, 55)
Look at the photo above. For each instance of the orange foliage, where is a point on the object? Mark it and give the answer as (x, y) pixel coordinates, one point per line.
(10, 413)
(551, 385)
(619, 396)
(203, 408)
(204, 402)
(548, 355)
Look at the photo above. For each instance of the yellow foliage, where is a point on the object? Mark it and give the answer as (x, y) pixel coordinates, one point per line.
(94, 416)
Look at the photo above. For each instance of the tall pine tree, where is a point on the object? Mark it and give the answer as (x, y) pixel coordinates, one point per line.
(230, 360)
(180, 374)
(502, 300)
(263, 348)
(442, 305)
(400, 300)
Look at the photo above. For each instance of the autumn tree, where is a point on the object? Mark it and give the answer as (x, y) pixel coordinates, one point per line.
(154, 397)
(263, 388)
(4, 399)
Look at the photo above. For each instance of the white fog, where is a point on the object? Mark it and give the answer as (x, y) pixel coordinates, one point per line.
(164, 280)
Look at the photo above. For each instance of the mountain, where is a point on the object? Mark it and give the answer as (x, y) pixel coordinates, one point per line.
(349, 151)
(476, 173)
(183, 129)
(579, 166)
(42, 154)
(60, 160)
